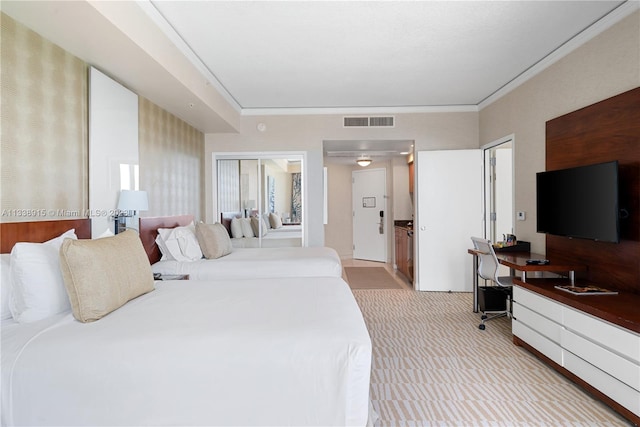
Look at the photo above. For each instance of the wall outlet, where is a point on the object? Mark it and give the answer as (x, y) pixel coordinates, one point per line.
(522, 216)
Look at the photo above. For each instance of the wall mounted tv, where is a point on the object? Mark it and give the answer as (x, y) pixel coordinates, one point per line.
(579, 202)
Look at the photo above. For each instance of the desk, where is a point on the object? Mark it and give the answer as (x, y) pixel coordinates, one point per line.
(518, 261)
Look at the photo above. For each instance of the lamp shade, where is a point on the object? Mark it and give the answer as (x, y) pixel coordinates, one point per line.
(131, 200)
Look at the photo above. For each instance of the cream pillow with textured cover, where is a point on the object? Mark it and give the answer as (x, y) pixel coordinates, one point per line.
(102, 275)
(214, 240)
(275, 220)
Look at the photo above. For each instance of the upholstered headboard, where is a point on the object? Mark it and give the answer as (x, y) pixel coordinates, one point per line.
(149, 231)
(40, 231)
(226, 217)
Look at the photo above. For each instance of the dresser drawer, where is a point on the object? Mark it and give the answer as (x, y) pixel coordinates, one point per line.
(541, 343)
(542, 325)
(616, 390)
(602, 358)
(625, 343)
(539, 304)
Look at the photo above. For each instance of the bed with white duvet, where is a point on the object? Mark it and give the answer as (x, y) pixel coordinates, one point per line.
(295, 352)
(175, 245)
(258, 263)
(89, 339)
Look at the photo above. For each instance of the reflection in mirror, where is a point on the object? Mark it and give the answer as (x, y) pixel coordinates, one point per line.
(260, 201)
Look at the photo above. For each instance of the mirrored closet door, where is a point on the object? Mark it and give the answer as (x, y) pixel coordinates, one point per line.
(260, 200)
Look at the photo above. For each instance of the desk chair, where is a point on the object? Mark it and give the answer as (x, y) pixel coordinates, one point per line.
(488, 269)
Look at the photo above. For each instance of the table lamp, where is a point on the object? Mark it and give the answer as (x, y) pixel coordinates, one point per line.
(130, 202)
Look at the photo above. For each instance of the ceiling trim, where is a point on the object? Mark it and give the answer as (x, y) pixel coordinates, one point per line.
(155, 15)
(358, 110)
(615, 16)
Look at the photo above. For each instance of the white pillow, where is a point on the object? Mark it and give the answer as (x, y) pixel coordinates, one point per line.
(236, 228)
(37, 286)
(181, 243)
(247, 230)
(5, 285)
(105, 233)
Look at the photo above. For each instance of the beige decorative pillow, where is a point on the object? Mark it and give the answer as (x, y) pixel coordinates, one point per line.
(102, 275)
(214, 240)
(255, 226)
(275, 220)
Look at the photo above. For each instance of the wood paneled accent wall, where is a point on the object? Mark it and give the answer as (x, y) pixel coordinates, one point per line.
(606, 131)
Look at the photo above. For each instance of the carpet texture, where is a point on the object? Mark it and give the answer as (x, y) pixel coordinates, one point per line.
(370, 278)
(432, 366)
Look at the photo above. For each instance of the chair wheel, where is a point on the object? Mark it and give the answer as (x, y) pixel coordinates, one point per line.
(481, 326)
(483, 317)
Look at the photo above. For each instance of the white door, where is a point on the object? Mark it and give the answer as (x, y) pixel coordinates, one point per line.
(449, 210)
(369, 215)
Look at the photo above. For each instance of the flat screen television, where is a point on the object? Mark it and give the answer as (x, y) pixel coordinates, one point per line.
(579, 202)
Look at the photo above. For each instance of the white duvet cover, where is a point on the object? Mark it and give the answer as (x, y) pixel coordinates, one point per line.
(295, 352)
(259, 263)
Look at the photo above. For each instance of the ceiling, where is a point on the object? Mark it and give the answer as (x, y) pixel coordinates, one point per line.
(212, 62)
(273, 55)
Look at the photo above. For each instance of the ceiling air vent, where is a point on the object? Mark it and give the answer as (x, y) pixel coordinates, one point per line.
(381, 122)
(350, 122)
(369, 122)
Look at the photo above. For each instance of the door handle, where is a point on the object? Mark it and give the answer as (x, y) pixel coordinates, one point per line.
(381, 223)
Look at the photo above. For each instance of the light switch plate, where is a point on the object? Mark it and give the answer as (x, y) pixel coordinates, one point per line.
(521, 216)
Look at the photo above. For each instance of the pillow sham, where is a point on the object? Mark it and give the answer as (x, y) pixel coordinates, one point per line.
(214, 240)
(5, 285)
(247, 230)
(180, 243)
(104, 274)
(255, 226)
(275, 220)
(236, 228)
(37, 288)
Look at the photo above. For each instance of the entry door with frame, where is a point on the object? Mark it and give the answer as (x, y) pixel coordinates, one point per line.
(369, 214)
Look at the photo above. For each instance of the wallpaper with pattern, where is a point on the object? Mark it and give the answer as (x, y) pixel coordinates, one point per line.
(171, 163)
(44, 136)
(43, 119)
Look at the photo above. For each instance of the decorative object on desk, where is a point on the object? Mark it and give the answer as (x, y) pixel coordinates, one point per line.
(129, 203)
(538, 262)
(519, 246)
(585, 290)
(509, 239)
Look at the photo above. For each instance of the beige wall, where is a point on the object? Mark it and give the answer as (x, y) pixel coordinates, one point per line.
(45, 143)
(603, 67)
(44, 128)
(307, 133)
(171, 163)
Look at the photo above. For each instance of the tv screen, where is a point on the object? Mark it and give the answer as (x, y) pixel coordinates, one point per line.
(579, 202)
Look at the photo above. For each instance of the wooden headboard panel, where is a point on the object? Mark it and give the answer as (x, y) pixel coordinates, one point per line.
(605, 131)
(149, 232)
(40, 231)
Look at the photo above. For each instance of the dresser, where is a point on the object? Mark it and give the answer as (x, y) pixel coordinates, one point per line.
(592, 339)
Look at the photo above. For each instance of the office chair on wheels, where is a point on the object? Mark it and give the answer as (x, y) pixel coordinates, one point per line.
(494, 301)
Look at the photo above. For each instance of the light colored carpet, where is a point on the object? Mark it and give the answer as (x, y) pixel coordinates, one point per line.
(432, 366)
(370, 278)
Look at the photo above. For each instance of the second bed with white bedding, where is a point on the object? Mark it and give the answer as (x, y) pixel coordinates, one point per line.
(259, 263)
